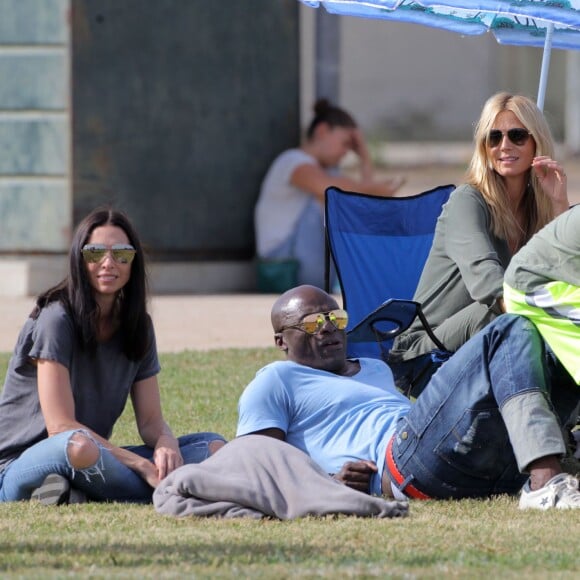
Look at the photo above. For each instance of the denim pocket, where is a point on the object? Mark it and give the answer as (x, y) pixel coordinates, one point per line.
(406, 441)
(477, 445)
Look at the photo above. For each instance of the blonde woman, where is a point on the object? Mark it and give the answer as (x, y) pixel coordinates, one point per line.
(513, 188)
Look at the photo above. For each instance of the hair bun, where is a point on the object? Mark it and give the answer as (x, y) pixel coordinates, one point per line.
(333, 116)
(322, 106)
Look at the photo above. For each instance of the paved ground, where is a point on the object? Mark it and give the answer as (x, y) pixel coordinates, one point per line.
(221, 321)
(195, 322)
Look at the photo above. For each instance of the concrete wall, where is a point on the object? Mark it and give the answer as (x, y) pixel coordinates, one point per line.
(34, 126)
(173, 112)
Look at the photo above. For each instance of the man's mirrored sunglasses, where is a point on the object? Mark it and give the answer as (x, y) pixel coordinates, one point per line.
(312, 323)
(121, 253)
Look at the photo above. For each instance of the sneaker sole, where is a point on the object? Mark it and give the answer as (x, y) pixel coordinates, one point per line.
(54, 490)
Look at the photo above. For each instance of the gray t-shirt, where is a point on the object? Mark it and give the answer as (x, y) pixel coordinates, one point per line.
(100, 381)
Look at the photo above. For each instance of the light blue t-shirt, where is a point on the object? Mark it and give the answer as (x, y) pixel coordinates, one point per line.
(334, 419)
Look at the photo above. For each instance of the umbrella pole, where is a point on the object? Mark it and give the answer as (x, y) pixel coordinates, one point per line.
(327, 68)
(545, 66)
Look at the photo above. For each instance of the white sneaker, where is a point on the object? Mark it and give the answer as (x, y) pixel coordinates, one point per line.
(576, 435)
(561, 492)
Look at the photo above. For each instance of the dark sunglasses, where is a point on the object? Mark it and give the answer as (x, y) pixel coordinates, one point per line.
(121, 253)
(517, 136)
(312, 323)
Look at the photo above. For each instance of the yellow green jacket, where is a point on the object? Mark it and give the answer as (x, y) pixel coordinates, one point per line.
(542, 283)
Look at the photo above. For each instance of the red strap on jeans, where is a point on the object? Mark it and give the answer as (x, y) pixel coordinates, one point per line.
(410, 489)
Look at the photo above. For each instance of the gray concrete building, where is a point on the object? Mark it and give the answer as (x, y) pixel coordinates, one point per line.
(172, 110)
(167, 109)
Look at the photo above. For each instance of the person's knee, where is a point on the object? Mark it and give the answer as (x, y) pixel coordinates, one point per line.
(517, 322)
(512, 324)
(82, 450)
(215, 445)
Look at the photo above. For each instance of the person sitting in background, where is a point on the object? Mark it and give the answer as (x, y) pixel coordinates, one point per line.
(87, 345)
(288, 216)
(513, 188)
(488, 422)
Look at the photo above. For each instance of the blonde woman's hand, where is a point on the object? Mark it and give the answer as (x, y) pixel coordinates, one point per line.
(553, 181)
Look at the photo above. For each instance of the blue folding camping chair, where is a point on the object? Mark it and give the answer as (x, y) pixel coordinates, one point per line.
(379, 246)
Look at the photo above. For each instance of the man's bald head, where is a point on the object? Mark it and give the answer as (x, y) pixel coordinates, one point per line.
(326, 348)
(295, 303)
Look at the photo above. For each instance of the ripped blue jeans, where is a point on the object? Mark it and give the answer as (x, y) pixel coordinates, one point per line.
(498, 404)
(107, 480)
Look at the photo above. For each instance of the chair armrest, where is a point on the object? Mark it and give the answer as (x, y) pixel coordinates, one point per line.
(385, 322)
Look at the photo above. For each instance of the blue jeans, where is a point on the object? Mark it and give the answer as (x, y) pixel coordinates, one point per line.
(495, 406)
(307, 244)
(107, 480)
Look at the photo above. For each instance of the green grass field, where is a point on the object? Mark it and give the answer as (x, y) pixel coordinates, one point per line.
(462, 539)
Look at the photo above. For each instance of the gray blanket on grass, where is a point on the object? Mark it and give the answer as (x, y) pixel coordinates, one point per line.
(257, 476)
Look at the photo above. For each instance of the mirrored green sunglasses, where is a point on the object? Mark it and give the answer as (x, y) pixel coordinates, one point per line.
(121, 253)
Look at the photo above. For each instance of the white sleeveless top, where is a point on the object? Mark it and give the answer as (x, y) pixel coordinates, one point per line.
(280, 203)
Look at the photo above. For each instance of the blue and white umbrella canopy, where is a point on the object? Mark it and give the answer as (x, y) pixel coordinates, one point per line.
(520, 23)
(540, 23)
(565, 12)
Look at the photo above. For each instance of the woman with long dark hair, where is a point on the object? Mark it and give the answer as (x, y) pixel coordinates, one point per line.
(87, 346)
